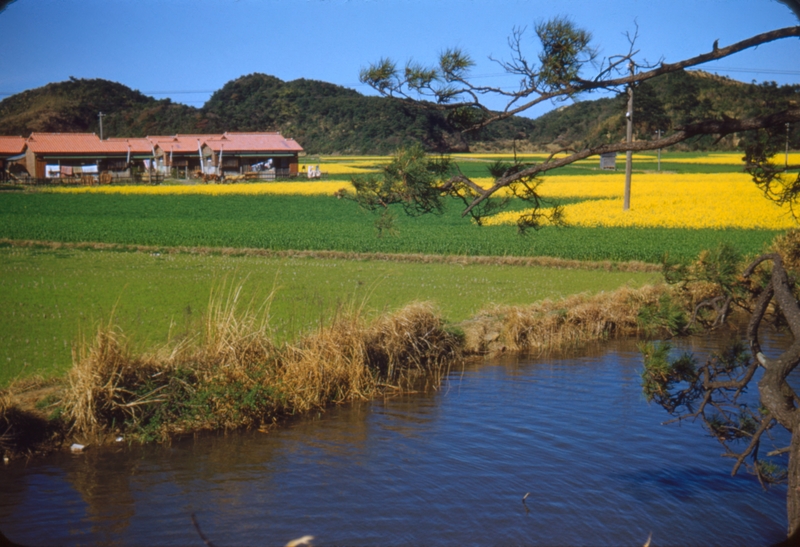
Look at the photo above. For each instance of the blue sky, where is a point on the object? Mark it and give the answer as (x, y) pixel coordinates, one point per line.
(186, 49)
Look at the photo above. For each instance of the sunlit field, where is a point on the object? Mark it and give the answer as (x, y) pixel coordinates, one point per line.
(666, 200)
(51, 298)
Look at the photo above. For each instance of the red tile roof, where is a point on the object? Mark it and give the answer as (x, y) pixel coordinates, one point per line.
(11, 146)
(180, 144)
(137, 146)
(89, 143)
(74, 143)
(253, 142)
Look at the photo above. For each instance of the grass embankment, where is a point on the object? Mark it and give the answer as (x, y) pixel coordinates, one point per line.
(352, 339)
(235, 375)
(52, 297)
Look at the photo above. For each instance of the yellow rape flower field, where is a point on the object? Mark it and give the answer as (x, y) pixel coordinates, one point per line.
(348, 168)
(257, 188)
(671, 200)
(724, 200)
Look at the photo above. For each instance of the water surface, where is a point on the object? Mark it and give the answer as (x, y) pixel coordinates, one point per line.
(444, 468)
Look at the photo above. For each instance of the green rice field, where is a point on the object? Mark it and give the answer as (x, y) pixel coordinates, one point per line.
(281, 222)
(50, 299)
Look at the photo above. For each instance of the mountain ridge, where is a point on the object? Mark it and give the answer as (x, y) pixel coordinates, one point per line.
(329, 119)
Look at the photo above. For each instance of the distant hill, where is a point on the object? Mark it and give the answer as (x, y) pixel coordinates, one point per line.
(326, 118)
(74, 105)
(664, 104)
(322, 117)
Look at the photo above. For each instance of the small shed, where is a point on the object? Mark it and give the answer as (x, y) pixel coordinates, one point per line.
(12, 149)
(608, 160)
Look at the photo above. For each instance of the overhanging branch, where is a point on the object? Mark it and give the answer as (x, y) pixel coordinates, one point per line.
(664, 68)
(706, 127)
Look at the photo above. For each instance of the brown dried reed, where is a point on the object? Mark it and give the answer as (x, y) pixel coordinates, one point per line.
(235, 376)
(561, 324)
(351, 360)
(102, 382)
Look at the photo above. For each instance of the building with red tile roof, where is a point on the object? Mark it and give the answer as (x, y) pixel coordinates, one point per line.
(52, 155)
(48, 155)
(11, 146)
(12, 149)
(243, 152)
(181, 153)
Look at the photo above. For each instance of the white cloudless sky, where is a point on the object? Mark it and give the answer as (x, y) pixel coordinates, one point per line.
(187, 49)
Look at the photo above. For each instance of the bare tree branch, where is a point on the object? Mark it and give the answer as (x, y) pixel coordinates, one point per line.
(706, 127)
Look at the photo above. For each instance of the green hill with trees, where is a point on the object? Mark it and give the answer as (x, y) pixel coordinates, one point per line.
(322, 117)
(664, 104)
(326, 118)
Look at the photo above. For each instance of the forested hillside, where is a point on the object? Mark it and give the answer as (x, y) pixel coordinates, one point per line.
(326, 118)
(665, 104)
(322, 117)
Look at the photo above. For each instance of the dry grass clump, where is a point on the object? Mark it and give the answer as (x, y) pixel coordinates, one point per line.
(788, 246)
(328, 366)
(351, 360)
(411, 344)
(562, 324)
(22, 431)
(237, 377)
(105, 385)
(221, 382)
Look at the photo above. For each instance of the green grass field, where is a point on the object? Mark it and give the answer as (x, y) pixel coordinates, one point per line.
(49, 299)
(52, 298)
(327, 223)
(674, 162)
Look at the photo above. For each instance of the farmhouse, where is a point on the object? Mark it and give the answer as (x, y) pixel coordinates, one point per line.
(183, 153)
(12, 149)
(236, 153)
(76, 156)
(80, 155)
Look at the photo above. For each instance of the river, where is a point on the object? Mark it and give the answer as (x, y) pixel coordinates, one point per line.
(450, 467)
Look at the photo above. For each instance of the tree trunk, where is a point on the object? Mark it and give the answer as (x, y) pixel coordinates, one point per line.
(793, 492)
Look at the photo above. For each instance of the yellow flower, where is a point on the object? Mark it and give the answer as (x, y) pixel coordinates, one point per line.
(719, 200)
(258, 188)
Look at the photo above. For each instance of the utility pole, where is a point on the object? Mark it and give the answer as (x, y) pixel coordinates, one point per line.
(626, 202)
(786, 161)
(100, 115)
(658, 136)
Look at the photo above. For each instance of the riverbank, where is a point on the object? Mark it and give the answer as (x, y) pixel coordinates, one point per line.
(236, 376)
(235, 373)
(55, 295)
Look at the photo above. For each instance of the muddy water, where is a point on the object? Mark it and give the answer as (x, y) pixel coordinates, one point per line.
(447, 468)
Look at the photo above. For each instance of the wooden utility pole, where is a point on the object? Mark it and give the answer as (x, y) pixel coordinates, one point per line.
(658, 136)
(100, 116)
(626, 202)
